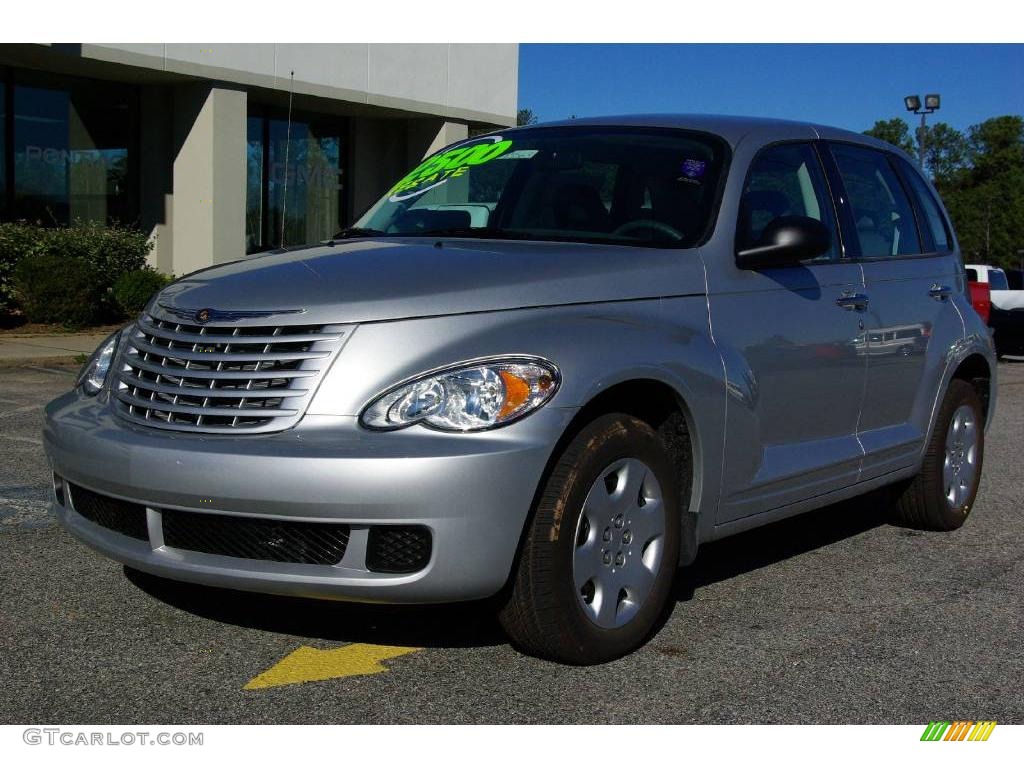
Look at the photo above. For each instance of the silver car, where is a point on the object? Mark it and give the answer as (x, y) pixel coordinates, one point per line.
(544, 368)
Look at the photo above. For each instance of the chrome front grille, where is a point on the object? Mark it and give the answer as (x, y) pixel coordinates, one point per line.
(221, 378)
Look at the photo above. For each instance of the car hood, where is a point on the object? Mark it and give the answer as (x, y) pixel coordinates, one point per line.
(395, 278)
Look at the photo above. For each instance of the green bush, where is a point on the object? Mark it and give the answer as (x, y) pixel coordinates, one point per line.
(17, 240)
(56, 289)
(133, 290)
(105, 253)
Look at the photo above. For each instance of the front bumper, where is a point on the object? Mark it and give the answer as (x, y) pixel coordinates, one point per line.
(473, 491)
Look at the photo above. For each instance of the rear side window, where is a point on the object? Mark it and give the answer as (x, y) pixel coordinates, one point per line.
(972, 275)
(933, 217)
(882, 213)
(997, 280)
(785, 180)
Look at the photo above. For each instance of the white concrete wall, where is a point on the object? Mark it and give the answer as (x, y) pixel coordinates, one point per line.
(469, 82)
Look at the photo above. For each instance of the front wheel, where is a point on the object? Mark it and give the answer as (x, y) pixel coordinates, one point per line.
(940, 497)
(596, 567)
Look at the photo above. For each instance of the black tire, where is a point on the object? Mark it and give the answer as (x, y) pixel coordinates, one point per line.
(543, 615)
(922, 503)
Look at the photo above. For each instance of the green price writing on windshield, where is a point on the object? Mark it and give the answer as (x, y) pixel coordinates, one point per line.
(447, 165)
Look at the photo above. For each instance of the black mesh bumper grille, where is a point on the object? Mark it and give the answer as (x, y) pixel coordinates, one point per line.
(398, 548)
(115, 514)
(256, 538)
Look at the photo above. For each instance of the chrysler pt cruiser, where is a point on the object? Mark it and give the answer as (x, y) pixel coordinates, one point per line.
(544, 367)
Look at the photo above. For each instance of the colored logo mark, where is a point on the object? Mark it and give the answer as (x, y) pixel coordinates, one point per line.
(958, 730)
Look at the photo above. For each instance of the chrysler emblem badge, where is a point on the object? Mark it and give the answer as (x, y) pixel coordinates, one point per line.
(203, 315)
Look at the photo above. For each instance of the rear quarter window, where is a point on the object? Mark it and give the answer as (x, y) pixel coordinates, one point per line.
(926, 203)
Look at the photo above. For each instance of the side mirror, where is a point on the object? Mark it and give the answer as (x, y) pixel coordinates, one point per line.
(785, 242)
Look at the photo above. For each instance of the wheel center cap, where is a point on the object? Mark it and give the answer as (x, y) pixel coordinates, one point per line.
(616, 539)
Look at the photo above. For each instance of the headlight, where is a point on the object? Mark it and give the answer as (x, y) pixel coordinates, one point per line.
(93, 375)
(468, 397)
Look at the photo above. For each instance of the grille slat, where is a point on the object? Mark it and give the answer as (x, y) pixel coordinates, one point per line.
(226, 356)
(281, 541)
(203, 410)
(221, 379)
(192, 391)
(209, 338)
(169, 370)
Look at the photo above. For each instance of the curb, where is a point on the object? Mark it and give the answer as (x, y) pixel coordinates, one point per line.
(29, 362)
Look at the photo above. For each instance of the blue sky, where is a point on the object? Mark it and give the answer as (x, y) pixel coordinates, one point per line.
(850, 86)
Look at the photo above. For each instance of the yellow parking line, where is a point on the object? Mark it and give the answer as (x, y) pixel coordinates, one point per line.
(305, 664)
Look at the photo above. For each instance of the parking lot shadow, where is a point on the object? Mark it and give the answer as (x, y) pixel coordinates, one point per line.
(462, 625)
(474, 624)
(720, 560)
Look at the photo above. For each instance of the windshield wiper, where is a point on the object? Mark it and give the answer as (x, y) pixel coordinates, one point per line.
(357, 232)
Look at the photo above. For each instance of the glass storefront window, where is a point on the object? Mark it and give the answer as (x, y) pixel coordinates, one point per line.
(73, 152)
(254, 185)
(299, 182)
(3, 145)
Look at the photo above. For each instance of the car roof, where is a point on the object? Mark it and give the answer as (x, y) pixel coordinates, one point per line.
(732, 128)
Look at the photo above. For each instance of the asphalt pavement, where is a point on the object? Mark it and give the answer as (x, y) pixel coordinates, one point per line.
(831, 617)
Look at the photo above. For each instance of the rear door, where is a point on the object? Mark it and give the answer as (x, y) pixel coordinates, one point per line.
(904, 246)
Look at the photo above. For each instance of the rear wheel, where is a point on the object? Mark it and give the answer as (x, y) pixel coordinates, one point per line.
(598, 558)
(940, 497)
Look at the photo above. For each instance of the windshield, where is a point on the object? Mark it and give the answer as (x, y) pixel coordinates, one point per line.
(997, 280)
(634, 186)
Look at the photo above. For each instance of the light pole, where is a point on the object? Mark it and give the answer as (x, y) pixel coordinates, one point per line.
(913, 104)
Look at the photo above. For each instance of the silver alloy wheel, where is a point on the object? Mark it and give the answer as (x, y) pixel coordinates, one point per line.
(620, 540)
(960, 466)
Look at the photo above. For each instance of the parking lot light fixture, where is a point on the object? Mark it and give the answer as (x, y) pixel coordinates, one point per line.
(913, 104)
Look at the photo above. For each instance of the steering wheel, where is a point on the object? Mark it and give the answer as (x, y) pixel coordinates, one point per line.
(657, 226)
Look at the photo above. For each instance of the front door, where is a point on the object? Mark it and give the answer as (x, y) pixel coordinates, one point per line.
(789, 337)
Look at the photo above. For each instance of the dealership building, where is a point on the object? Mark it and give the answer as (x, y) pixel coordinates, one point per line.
(193, 143)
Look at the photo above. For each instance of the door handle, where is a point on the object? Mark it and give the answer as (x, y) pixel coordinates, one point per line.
(940, 292)
(851, 300)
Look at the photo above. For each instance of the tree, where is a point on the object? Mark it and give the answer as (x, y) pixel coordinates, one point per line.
(946, 149)
(996, 145)
(895, 131)
(980, 177)
(945, 153)
(985, 196)
(525, 117)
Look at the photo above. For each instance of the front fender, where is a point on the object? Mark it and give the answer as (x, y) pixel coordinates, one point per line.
(595, 346)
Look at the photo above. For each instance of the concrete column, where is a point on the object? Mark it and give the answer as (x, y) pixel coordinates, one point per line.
(209, 177)
(378, 160)
(156, 169)
(426, 136)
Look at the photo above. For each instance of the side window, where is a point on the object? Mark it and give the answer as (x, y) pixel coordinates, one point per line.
(934, 219)
(785, 180)
(972, 275)
(881, 211)
(997, 280)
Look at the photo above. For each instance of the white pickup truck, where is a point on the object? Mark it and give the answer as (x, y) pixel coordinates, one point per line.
(1007, 316)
